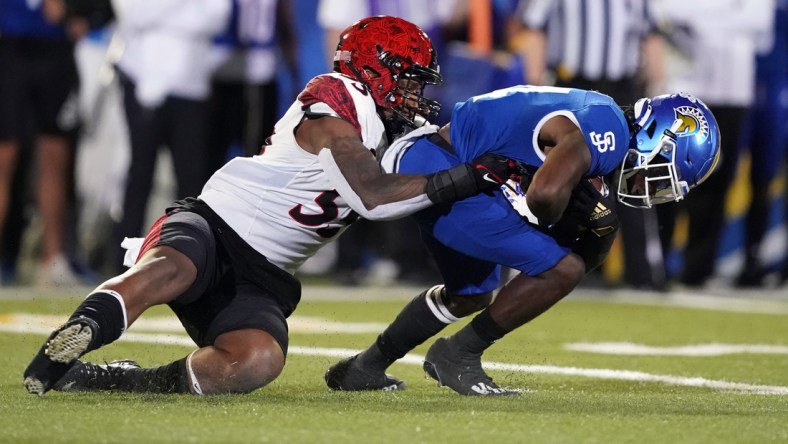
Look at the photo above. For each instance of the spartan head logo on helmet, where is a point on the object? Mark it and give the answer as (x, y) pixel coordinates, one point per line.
(693, 122)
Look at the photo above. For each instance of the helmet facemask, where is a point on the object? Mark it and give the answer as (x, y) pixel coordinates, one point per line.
(647, 179)
(407, 108)
(650, 179)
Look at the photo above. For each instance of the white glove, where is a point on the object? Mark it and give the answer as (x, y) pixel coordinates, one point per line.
(516, 197)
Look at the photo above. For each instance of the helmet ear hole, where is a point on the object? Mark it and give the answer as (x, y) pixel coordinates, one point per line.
(370, 72)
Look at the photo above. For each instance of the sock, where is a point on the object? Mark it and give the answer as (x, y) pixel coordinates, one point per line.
(423, 317)
(478, 335)
(170, 378)
(107, 310)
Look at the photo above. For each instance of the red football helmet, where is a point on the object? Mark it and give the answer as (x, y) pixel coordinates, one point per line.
(395, 60)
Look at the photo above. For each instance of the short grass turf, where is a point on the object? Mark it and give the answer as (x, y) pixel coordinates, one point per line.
(298, 408)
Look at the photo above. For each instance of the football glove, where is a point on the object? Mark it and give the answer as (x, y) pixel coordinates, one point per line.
(588, 210)
(485, 173)
(593, 249)
(514, 192)
(592, 210)
(589, 224)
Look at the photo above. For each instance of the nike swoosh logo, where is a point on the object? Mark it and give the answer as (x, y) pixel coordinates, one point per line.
(489, 178)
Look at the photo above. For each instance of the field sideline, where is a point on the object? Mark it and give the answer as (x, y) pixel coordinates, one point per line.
(599, 367)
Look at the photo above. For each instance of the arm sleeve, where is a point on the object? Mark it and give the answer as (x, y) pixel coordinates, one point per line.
(394, 210)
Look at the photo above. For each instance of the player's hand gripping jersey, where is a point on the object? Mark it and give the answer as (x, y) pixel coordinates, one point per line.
(282, 202)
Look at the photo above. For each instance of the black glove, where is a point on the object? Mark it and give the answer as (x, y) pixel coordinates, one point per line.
(588, 210)
(485, 173)
(593, 249)
(494, 170)
(588, 226)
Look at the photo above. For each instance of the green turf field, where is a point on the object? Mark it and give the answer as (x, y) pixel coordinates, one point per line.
(635, 369)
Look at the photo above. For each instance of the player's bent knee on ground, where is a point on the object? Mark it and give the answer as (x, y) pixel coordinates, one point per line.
(242, 361)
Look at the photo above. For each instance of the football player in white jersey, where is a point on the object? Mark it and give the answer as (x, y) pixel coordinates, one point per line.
(224, 261)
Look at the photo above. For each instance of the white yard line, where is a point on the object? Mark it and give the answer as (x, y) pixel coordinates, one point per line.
(772, 302)
(159, 324)
(597, 373)
(741, 302)
(712, 349)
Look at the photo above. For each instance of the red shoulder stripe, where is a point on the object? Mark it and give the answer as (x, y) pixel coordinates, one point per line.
(333, 92)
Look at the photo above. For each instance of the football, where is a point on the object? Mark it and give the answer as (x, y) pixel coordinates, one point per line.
(599, 184)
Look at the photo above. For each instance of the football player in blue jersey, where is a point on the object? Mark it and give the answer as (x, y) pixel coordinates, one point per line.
(555, 226)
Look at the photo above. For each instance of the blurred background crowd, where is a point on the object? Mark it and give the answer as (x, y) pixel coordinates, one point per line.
(109, 110)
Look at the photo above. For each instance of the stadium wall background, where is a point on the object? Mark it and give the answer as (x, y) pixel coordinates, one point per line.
(730, 256)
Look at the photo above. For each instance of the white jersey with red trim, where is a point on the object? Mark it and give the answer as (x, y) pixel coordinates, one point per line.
(282, 202)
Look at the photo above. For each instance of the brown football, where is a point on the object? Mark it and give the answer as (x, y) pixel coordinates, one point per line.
(597, 182)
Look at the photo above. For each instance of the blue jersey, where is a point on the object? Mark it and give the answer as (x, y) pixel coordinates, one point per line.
(471, 239)
(24, 18)
(507, 122)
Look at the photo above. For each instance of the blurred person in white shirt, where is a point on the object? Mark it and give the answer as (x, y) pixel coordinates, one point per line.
(165, 73)
(717, 42)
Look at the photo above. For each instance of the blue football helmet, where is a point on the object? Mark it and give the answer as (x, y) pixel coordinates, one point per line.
(675, 146)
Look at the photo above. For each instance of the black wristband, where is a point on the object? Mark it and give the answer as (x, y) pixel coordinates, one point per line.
(453, 184)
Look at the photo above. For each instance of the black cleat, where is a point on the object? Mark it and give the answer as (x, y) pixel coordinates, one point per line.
(460, 372)
(348, 375)
(70, 341)
(88, 377)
